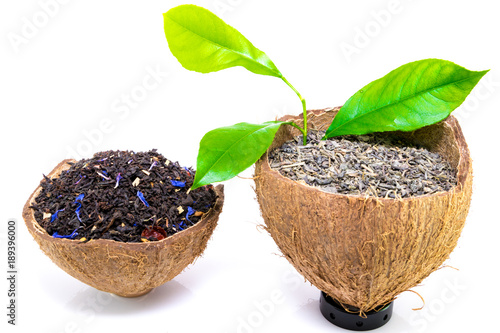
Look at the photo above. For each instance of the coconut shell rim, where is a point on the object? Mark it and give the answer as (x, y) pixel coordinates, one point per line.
(463, 166)
(34, 227)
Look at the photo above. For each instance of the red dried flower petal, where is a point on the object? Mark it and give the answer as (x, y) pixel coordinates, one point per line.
(157, 232)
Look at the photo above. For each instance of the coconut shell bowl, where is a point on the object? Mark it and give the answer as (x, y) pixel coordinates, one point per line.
(124, 269)
(364, 251)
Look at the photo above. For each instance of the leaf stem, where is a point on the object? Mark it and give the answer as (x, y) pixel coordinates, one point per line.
(304, 111)
(291, 123)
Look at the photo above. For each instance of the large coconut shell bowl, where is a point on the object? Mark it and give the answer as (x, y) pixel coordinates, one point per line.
(364, 251)
(124, 269)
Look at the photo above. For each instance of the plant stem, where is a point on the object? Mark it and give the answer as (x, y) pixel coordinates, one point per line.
(304, 111)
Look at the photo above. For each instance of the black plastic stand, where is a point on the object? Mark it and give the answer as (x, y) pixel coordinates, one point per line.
(338, 316)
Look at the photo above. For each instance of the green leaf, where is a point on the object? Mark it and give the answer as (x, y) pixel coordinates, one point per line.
(204, 43)
(414, 95)
(227, 151)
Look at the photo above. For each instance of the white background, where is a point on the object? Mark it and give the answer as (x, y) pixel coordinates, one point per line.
(62, 80)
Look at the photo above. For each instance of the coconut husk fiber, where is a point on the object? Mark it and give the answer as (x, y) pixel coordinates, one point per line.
(124, 269)
(364, 251)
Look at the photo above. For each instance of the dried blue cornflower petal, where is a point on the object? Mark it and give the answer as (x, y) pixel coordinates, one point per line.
(77, 211)
(72, 236)
(103, 176)
(181, 224)
(177, 183)
(152, 165)
(141, 197)
(190, 212)
(54, 216)
(118, 179)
